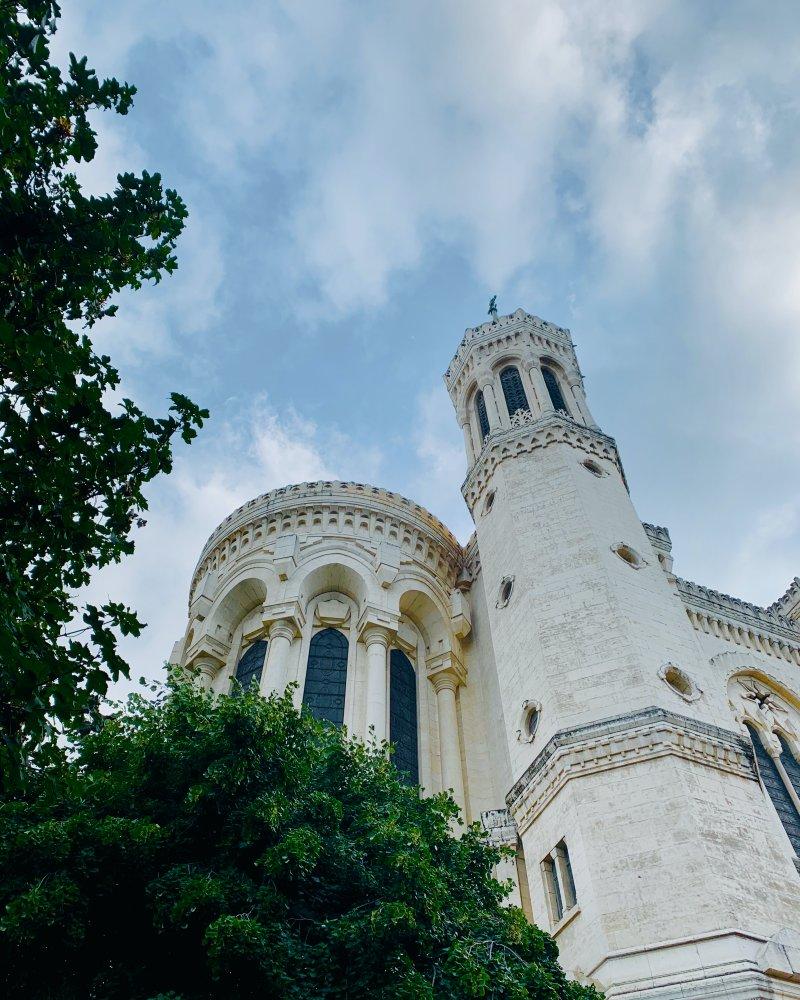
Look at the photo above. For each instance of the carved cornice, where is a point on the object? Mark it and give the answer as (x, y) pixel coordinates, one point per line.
(351, 511)
(744, 624)
(618, 742)
(552, 428)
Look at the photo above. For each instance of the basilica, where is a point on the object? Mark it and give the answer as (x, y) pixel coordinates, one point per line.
(633, 736)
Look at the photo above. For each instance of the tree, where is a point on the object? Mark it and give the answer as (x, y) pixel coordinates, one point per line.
(72, 466)
(200, 848)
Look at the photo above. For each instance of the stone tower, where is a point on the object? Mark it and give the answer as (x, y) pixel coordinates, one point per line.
(635, 736)
(645, 839)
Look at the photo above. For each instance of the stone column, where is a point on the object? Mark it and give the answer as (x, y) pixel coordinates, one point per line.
(205, 670)
(576, 388)
(445, 685)
(273, 678)
(492, 412)
(376, 639)
(537, 381)
(468, 445)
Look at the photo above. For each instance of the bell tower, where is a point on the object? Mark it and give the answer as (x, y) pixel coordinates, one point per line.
(646, 843)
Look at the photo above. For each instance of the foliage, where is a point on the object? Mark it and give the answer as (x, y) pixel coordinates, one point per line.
(71, 468)
(195, 848)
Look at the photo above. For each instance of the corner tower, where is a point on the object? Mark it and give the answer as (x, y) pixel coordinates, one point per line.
(648, 846)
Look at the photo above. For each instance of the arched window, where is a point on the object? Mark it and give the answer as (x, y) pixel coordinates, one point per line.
(249, 667)
(326, 676)
(483, 418)
(790, 764)
(403, 715)
(777, 791)
(554, 389)
(514, 391)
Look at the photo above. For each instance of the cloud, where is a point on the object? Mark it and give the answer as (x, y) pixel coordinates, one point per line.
(439, 449)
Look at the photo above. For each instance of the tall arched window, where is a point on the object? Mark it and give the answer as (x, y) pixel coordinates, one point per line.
(554, 389)
(403, 715)
(326, 676)
(249, 667)
(483, 418)
(514, 391)
(777, 791)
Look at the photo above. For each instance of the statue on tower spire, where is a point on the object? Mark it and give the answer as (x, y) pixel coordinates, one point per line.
(493, 307)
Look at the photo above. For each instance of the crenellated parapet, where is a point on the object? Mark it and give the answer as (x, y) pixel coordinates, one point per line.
(516, 332)
(764, 630)
(532, 436)
(789, 604)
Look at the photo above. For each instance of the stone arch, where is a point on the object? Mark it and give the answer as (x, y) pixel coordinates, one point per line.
(418, 601)
(759, 700)
(332, 572)
(241, 595)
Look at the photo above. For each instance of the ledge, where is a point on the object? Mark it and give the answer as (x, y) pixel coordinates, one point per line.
(620, 741)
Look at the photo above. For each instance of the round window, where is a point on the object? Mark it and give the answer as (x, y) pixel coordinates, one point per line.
(489, 502)
(680, 682)
(628, 555)
(506, 589)
(593, 467)
(529, 721)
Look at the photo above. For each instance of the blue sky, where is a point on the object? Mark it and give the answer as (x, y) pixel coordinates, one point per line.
(361, 178)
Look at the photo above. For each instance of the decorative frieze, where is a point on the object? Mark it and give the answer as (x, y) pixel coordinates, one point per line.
(619, 742)
(287, 521)
(553, 428)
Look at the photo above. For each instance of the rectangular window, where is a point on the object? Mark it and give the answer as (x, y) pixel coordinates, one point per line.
(558, 882)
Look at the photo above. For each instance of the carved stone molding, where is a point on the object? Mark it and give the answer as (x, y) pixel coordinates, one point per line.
(758, 704)
(619, 742)
(288, 611)
(265, 526)
(331, 612)
(207, 648)
(552, 428)
(446, 669)
(501, 830)
(762, 629)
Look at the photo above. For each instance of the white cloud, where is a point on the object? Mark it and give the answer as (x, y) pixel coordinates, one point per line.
(439, 448)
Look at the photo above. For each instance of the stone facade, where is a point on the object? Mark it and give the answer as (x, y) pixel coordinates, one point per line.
(597, 713)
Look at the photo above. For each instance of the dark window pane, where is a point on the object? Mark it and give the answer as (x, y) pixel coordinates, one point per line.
(326, 676)
(776, 790)
(483, 419)
(248, 670)
(790, 765)
(403, 715)
(513, 391)
(554, 390)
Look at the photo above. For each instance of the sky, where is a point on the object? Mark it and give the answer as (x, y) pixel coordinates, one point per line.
(361, 178)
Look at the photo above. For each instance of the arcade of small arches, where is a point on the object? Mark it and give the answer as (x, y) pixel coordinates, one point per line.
(379, 657)
(513, 392)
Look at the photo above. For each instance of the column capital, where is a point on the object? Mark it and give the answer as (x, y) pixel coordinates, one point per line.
(282, 628)
(206, 648)
(205, 669)
(375, 622)
(446, 672)
(289, 613)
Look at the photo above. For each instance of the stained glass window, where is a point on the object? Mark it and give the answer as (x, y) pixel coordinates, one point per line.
(403, 715)
(554, 390)
(326, 676)
(249, 667)
(513, 391)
